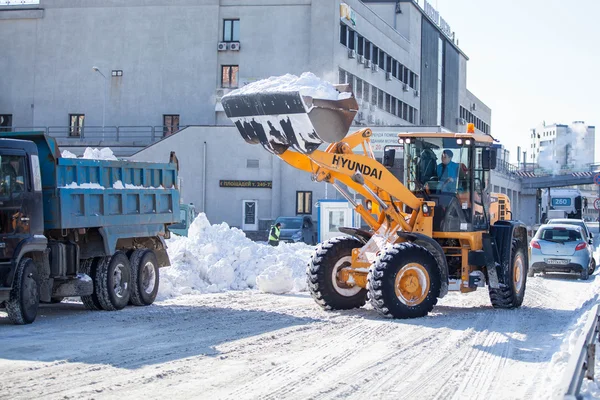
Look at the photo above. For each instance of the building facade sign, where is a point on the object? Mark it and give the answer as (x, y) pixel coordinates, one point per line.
(347, 14)
(246, 184)
(18, 2)
(439, 21)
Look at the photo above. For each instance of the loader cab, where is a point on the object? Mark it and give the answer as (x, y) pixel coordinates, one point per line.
(453, 170)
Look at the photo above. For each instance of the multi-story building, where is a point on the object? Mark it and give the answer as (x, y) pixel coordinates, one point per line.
(559, 146)
(137, 67)
(167, 62)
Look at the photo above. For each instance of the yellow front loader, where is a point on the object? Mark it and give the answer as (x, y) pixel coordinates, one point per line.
(429, 233)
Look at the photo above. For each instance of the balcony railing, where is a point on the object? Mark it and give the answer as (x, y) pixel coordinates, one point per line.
(130, 134)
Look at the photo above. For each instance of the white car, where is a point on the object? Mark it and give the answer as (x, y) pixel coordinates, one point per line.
(589, 237)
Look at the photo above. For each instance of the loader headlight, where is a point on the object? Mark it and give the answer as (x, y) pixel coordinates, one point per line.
(401, 140)
(369, 205)
(468, 142)
(425, 209)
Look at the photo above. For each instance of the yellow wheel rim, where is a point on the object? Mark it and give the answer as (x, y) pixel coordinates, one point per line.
(518, 270)
(412, 284)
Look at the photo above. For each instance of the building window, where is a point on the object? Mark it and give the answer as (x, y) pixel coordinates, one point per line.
(252, 163)
(358, 90)
(170, 124)
(375, 56)
(231, 30)
(367, 49)
(76, 124)
(344, 34)
(303, 203)
(229, 76)
(5, 122)
(374, 95)
(342, 78)
(366, 91)
(361, 44)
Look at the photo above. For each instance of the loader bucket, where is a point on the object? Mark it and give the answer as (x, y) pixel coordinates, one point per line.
(279, 120)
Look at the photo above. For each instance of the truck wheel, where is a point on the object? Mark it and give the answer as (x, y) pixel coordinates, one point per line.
(24, 300)
(404, 282)
(329, 257)
(91, 302)
(113, 281)
(144, 277)
(511, 295)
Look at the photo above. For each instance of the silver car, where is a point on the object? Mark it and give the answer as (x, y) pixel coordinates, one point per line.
(588, 236)
(560, 248)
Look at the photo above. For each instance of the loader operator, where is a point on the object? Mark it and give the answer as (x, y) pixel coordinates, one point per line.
(447, 173)
(274, 234)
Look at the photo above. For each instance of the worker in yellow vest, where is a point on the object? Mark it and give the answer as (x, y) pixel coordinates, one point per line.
(274, 234)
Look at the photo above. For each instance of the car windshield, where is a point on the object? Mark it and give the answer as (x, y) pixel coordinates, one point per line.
(567, 222)
(290, 223)
(561, 235)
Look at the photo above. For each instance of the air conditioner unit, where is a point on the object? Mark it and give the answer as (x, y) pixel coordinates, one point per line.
(222, 46)
(416, 93)
(351, 53)
(235, 46)
(474, 107)
(361, 59)
(461, 121)
(367, 63)
(388, 76)
(405, 87)
(220, 93)
(372, 107)
(375, 68)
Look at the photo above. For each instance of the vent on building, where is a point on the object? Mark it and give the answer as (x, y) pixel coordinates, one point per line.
(251, 163)
(235, 46)
(367, 63)
(474, 107)
(351, 53)
(222, 46)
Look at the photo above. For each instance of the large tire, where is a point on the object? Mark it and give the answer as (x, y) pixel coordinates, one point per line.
(144, 277)
(404, 281)
(89, 267)
(323, 286)
(24, 299)
(515, 273)
(112, 281)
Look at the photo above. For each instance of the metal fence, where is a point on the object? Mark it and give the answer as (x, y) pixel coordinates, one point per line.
(141, 134)
(582, 362)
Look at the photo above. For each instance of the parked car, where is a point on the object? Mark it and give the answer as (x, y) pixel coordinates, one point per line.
(589, 237)
(560, 248)
(297, 229)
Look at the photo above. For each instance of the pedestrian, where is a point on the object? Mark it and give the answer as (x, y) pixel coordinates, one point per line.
(274, 234)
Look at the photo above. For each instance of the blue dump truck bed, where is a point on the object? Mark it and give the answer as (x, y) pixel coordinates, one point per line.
(82, 193)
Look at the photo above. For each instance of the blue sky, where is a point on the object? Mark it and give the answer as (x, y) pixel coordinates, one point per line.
(530, 61)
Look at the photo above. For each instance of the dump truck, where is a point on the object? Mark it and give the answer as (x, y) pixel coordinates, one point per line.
(71, 227)
(430, 233)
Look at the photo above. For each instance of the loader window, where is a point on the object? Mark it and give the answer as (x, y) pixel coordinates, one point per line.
(12, 176)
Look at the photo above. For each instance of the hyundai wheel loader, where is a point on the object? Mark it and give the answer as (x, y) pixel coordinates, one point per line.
(430, 231)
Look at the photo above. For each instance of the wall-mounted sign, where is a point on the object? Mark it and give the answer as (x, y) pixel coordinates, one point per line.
(246, 184)
(18, 2)
(347, 13)
(439, 21)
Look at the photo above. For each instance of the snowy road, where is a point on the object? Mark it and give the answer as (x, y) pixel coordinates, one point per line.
(250, 345)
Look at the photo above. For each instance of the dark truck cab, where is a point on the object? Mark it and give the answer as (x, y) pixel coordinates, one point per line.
(75, 227)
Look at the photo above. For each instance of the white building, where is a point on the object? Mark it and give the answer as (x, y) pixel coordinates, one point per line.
(560, 146)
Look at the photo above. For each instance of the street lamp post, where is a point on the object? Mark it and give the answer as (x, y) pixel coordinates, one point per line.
(103, 97)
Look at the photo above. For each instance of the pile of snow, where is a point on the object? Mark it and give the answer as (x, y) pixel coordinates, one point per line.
(216, 258)
(92, 154)
(308, 84)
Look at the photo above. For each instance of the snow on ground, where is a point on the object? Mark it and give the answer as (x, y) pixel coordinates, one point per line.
(215, 258)
(247, 344)
(308, 84)
(92, 154)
